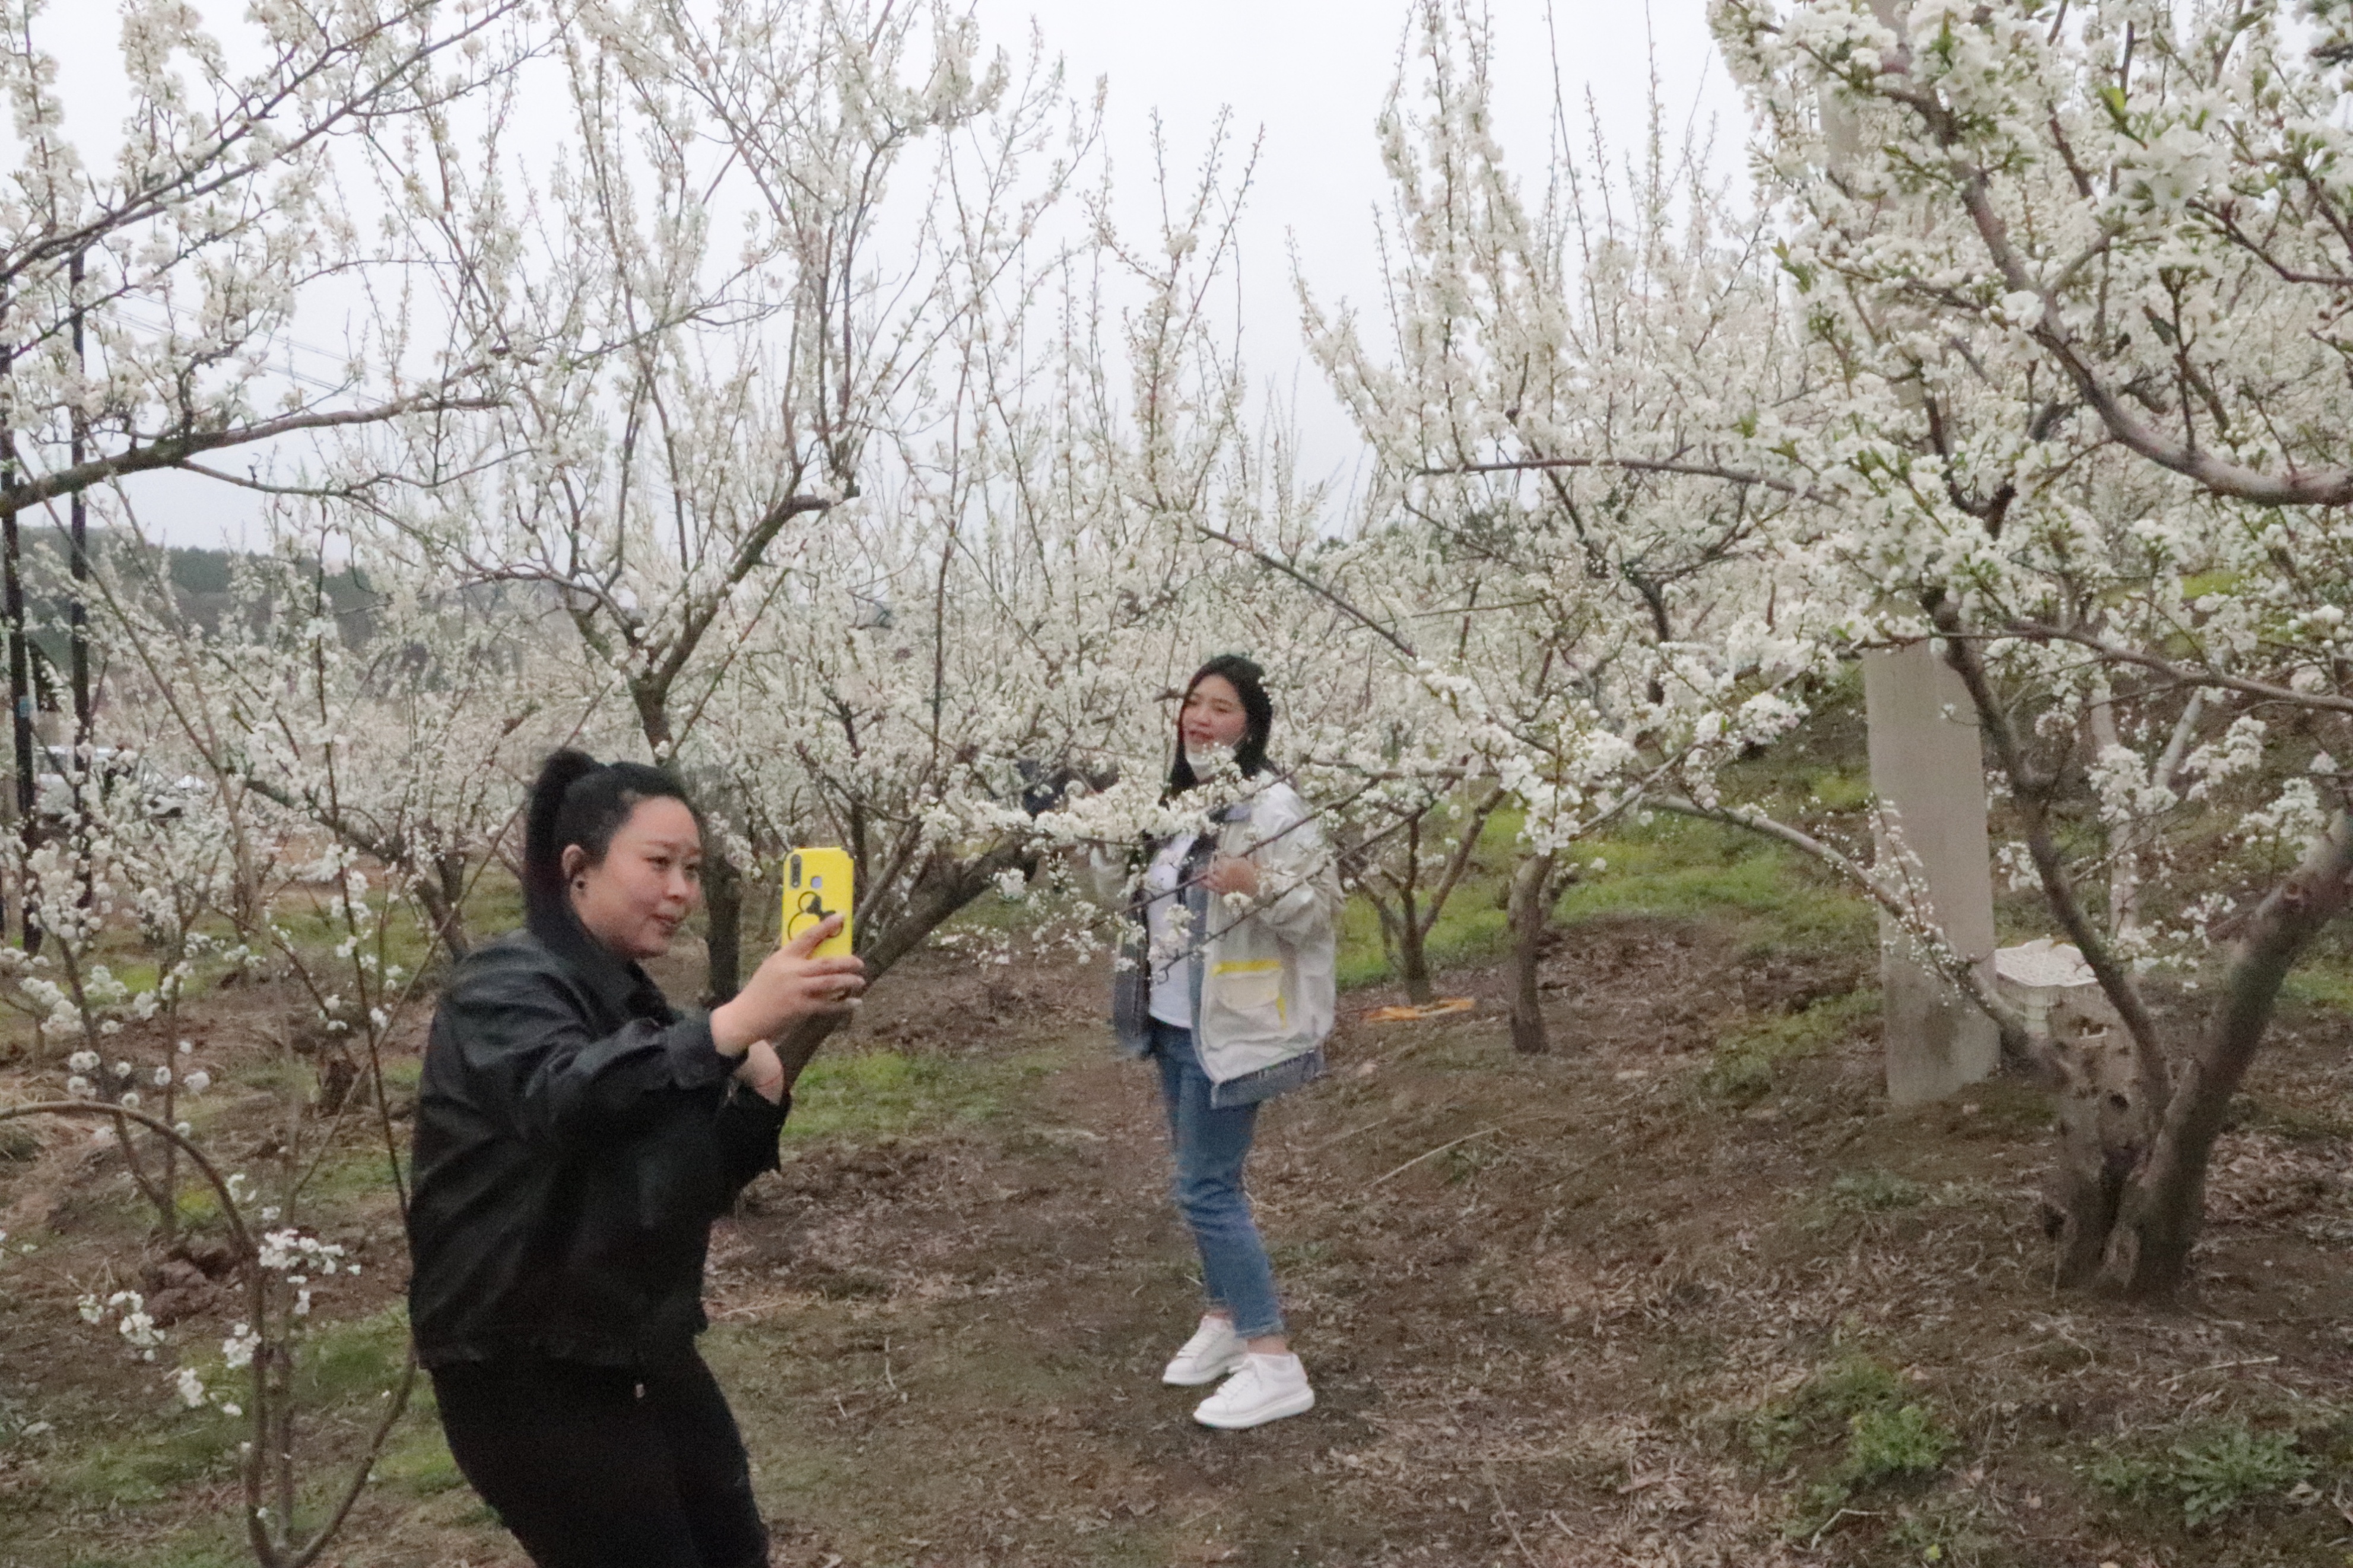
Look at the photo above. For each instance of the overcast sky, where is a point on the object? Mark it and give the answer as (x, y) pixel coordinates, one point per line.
(1309, 77)
(1304, 78)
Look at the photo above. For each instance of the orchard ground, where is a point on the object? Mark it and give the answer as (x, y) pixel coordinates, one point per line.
(1686, 1291)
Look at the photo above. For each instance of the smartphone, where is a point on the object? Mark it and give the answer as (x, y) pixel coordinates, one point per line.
(817, 883)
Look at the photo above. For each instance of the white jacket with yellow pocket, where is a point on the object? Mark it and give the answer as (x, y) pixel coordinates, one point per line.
(1262, 969)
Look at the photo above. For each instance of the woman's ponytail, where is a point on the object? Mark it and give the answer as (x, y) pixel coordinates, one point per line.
(545, 908)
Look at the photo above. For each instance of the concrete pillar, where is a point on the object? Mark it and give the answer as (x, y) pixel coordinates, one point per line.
(1927, 768)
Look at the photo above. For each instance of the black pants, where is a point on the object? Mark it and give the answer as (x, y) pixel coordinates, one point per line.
(597, 1466)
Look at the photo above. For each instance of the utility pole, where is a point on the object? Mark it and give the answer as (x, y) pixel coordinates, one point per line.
(20, 697)
(78, 606)
(8, 526)
(78, 543)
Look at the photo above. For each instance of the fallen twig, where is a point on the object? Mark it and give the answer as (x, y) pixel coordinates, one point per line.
(1504, 1512)
(1432, 1154)
(2218, 1366)
(1831, 1522)
(1338, 1139)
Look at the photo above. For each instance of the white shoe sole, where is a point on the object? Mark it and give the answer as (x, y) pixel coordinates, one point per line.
(1199, 1376)
(1298, 1404)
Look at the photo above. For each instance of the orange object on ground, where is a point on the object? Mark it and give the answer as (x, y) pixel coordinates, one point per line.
(1405, 1013)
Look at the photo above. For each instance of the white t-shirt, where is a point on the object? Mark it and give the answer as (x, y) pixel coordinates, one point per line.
(1172, 974)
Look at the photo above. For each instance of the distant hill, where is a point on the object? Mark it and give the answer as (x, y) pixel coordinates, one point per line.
(199, 577)
(200, 582)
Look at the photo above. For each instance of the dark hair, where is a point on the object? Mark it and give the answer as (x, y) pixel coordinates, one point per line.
(1249, 683)
(578, 800)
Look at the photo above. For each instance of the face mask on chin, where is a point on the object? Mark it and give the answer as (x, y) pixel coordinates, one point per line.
(1209, 760)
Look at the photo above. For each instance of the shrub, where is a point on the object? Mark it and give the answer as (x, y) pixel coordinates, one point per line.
(1882, 1445)
(2214, 1474)
(1860, 1404)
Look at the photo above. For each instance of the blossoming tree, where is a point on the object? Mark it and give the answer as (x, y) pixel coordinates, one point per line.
(1560, 416)
(2079, 272)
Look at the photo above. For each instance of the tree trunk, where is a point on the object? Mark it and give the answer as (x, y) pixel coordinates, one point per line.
(443, 895)
(1531, 907)
(77, 539)
(2162, 1207)
(1413, 962)
(2102, 1133)
(723, 897)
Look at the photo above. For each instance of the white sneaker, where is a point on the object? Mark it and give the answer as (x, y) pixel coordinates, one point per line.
(1266, 1388)
(1208, 1355)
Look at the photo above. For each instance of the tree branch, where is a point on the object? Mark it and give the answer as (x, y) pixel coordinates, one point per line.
(1633, 465)
(2017, 1044)
(1276, 564)
(2038, 631)
(173, 451)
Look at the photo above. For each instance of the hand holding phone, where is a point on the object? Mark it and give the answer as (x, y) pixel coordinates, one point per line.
(791, 984)
(819, 882)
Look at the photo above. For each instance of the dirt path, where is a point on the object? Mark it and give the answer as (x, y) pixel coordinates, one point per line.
(1638, 1302)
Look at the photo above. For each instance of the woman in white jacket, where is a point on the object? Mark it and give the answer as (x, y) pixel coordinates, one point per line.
(1226, 984)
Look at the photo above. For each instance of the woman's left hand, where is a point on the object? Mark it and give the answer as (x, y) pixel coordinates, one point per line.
(763, 1072)
(1230, 874)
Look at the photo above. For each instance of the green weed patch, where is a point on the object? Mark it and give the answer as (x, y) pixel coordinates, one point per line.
(2210, 1474)
(1854, 1426)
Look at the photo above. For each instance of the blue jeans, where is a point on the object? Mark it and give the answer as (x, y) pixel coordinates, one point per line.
(1210, 1145)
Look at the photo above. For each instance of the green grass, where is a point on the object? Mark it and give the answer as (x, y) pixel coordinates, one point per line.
(2306, 1124)
(185, 1552)
(1875, 1192)
(1360, 961)
(493, 904)
(869, 1094)
(2323, 985)
(492, 907)
(149, 1457)
(279, 1075)
(356, 1359)
(1684, 869)
(1473, 926)
(1820, 1406)
(1836, 789)
(993, 912)
(1882, 1445)
(353, 1176)
(417, 1458)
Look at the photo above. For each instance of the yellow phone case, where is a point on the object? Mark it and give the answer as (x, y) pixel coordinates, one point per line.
(817, 883)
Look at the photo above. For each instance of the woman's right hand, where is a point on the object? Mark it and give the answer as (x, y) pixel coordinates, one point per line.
(788, 988)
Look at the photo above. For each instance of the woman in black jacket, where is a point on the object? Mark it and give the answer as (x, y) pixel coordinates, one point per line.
(575, 1139)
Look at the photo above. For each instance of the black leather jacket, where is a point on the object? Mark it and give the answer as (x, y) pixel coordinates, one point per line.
(575, 1139)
